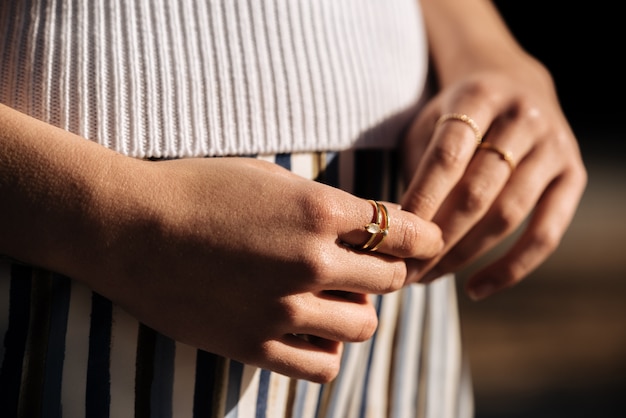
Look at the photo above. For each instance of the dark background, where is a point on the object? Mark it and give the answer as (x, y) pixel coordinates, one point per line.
(555, 344)
(582, 43)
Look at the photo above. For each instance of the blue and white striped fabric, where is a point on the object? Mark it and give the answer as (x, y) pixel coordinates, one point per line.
(68, 352)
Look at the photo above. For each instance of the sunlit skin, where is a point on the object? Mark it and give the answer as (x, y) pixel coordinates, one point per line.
(474, 196)
(243, 258)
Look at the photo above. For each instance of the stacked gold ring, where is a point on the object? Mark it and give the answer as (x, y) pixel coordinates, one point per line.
(465, 119)
(379, 228)
(505, 155)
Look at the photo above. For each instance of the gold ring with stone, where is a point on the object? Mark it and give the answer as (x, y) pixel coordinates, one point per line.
(465, 119)
(505, 155)
(379, 228)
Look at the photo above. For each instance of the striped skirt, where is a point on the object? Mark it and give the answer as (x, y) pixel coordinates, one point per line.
(69, 352)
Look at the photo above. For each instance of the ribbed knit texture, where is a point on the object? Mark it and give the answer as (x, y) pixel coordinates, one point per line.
(180, 78)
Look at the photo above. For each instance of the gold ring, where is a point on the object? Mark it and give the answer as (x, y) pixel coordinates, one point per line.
(379, 228)
(505, 155)
(465, 119)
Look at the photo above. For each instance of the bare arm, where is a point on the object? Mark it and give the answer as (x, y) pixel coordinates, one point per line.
(232, 255)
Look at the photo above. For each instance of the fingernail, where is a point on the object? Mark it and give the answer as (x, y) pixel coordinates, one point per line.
(480, 291)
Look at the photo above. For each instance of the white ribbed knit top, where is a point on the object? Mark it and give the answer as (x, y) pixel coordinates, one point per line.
(179, 78)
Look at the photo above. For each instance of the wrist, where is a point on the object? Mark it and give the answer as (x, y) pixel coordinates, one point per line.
(466, 37)
(55, 187)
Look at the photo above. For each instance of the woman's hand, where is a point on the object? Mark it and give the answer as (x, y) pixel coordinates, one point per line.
(479, 196)
(245, 259)
(232, 255)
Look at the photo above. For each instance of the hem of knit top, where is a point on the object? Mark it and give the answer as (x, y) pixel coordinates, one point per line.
(189, 78)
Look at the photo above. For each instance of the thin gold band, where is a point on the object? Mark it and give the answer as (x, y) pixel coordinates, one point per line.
(384, 226)
(505, 155)
(465, 119)
(379, 228)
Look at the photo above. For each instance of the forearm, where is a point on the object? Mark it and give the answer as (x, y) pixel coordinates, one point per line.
(49, 185)
(466, 35)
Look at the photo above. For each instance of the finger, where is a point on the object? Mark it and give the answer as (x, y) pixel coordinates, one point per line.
(335, 316)
(405, 235)
(444, 162)
(540, 238)
(301, 359)
(506, 214)
(341, 268)
(490, 171)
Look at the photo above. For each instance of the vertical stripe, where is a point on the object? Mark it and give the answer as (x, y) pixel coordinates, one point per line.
(55, 357)
(262, 398)
(31, 390)
(378, 387)
(73, 392)
(123, 360)
(144, 370)
(327, 168)
(367, 172)
(98, 393)
(234, 385)
(15, 339)
(154, 374)
(292, 387)
(308, 397)
(304, 165)
(283, 160)
(210, 388)
(465, 400)
(404, 386)
(379, 303)
(278, 393)
(163, 377)
(184, 380)
(249, 391)
(443, 371)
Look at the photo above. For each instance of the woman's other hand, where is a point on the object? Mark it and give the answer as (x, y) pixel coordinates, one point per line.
(528, 168)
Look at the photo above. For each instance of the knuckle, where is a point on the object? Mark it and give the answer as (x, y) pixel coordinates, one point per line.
(449, 155)
(474, 197)
(397, 277)
(526, 109)
(511, 274)
(409, 237)
(328, 372)
(475, 87)
(369, 323)
(421, 203)
(317, 265)
(318, 210)
(288, 312)
(547, 240)
(459, 257)
(507, 217)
